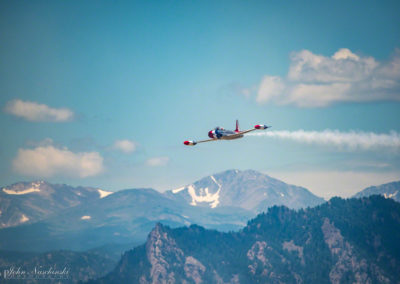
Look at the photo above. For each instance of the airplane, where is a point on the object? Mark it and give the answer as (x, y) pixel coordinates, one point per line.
(219, 133)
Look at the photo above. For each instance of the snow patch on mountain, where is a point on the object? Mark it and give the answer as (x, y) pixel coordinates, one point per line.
(390, 195)
(23, 219)
(212, 198)
(178, 189)
(35, 188)
(104, 193)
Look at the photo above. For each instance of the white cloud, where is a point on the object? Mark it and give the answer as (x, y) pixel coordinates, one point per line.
(335, 183)
(271, 87)
(125, 146)
(317, 81)
(38, 112)
(343, 66)
(345, 53)
(47, 161)
(309, 95)
(157, 161)
(351, 140)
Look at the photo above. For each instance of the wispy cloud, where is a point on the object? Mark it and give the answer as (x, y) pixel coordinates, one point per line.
(126, 146)
(318, 81)
(48, 160)
(351, 140)
(33, 111)
(157, 161)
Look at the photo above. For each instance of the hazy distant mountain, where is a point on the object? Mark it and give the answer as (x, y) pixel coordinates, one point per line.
(28, 202)
(248, 189)
(388, 190)
(123, 217)
(82, 218)
(331, 243)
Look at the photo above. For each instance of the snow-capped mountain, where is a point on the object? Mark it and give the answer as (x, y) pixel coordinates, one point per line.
(248, 189)
(27, 202)
(388, 190)
(84, 218)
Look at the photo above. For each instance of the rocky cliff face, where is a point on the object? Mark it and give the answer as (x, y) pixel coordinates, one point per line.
(342, 241)
(163, 262)
(164, 256)
(342, 251)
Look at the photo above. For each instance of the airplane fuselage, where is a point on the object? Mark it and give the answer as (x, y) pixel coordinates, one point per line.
(224, 134)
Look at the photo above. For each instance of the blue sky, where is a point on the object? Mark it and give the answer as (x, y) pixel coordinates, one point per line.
(103, 93)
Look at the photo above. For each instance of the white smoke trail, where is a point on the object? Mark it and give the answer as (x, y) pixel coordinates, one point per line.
(344, 140)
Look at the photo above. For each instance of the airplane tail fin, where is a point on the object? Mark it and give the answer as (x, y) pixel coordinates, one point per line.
(237, 126)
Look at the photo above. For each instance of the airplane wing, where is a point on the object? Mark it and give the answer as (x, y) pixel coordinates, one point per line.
(192, 143)
(247, 131)
(208, 140)
(256, 127)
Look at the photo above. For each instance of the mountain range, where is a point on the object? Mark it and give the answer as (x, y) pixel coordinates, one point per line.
(340, 241)
(126, 216)
(43, 223)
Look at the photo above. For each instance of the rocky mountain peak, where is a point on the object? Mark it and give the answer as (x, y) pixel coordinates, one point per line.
(249, 189)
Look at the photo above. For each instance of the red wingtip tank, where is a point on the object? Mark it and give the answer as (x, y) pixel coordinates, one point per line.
(189, 143)
(260, 126)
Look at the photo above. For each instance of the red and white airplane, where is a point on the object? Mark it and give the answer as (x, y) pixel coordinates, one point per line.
(220, 133)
